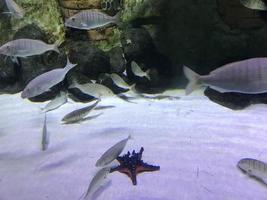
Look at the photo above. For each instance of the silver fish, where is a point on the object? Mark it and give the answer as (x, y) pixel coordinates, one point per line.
(45, 137)
(96, 182)
(44, 82)
(88, 20)
(137, 71)
(254, 168)
(14, 9)
(58, 101)
(119, 81)
(26, 47)
(254, 4)
(112, 153)
(247, 76)
(79, 114)
(93, 89)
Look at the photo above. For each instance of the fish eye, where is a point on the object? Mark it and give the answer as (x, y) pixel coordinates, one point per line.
(8, 47)
(73, 19)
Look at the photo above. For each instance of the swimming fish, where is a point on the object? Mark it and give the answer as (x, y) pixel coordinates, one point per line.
(93, 89)
(89, 19)
(79, 114)
(55, 103)
(14, 9)
(45, 137)
(254, 168)
(137, 71)
(44, 82)
(96, 182)
(247, 76)
(254, 4)
(119, 81)
(112, 153)
(26, 47)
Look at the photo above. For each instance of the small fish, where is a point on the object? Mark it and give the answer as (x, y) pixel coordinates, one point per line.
(84, 119)
(247, 76)
(87, 20)
(96, 182)
(58, 101)
(26, 47)
(112, 153)
(93, 89)
(104, 107)
(119, 81)
(79, 114)
(44, 82)
(254, 168)
(45, 137)
(254, 4)
(137, 71)
(14, 9)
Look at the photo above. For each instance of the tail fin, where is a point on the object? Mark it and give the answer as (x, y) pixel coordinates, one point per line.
(147, 74)
(69, 65)
(117, 19)
(56, 45)
(193, 79)
(74, 83)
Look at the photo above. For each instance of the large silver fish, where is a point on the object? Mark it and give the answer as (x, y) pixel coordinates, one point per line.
(247, 76)
(14, 9)
(26, 47)
(254, 168)
(137, 71)
(55, 103)
(88, 20)
(119, 81)
(112, 153)
(254, 4)
(97, 182)
(93, 89)
(45, 136)
(44, 82)
(79, 114)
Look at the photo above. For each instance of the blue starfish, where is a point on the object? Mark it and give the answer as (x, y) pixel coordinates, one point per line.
(132, 165)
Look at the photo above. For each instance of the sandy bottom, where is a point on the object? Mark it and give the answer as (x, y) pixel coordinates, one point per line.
(196, 143)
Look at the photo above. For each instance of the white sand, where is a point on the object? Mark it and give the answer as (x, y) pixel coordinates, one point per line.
(196, 143)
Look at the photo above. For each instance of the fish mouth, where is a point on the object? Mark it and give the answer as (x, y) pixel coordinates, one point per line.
(23, 95)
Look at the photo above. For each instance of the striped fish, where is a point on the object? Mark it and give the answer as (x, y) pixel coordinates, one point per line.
(14, 9)
(247, 76)
(254, 168)
(254, 4)
(89, 19)
(119, 81)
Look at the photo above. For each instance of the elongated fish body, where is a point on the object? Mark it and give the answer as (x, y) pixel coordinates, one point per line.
(45, 137)
(88, 20)
(254, 4)
(58, 101)
(247, 76)
(15, 9)
(254, 168)
(44, 82)
(119, 81)
(79, 114)
(112, 153)
(93, 89)
(26, 47)
(97, 181)
(137, 71)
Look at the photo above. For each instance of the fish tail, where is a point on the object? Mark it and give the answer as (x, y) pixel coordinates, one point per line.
(74, 83)
(69, 65)
(193, 79)
(117, 19)
(147, 74)
(56, 45)
(132, 87)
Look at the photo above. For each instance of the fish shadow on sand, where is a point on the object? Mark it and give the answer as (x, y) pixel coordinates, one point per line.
(254, 178)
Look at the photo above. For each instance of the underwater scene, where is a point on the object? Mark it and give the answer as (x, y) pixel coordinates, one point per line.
(133, 99)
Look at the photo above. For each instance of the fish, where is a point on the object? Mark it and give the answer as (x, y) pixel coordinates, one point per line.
(26, 47)
(137, 71)
(104, 107)
(88, 19)
(247, 76)
(120, 82)
(112, 153)
(45, 137)
(14, 9)
(79, 114)
(93, 89)
(55, 103)
(254, 168)
(84, 119)
(96, 182)
(45, 81)
(254, 4)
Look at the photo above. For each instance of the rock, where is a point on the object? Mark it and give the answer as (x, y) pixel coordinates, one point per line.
(31, 31)
(117, 61)
(235, 101)
(91, 60)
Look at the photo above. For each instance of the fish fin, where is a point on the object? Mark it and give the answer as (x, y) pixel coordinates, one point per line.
(147, 74)
(69, 65)
(193, 79)
(132, 87)
(15, 60)
(117, 19)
